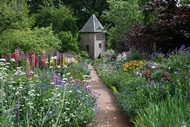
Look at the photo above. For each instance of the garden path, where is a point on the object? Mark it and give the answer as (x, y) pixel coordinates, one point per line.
(108, 114)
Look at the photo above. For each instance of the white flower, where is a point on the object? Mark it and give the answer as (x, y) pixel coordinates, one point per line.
(52, 83)
(12, 60)
(72, 115)
(68, 73)
(3, 60)
(65, 66)
(67, 120)
(58, 95)
(2, 63)
(67, 109)
(17, 93)
(67, 102)
(79, 91)
(54, 58)
(7, 63)
(42, 109)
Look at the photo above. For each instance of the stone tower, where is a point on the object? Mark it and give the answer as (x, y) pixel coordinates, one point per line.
(93, 37)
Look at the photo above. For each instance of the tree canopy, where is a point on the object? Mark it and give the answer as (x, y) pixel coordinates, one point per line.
(14, 15)
(168, 31)
(127, 22)
(120, 17)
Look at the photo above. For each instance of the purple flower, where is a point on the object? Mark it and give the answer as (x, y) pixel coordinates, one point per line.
(57, 80)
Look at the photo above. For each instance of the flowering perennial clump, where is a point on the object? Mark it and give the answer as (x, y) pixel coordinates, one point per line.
(133, 65)
(33, 94)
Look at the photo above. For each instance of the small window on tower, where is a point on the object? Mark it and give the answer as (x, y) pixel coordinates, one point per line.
(100, 45)
(87, 48)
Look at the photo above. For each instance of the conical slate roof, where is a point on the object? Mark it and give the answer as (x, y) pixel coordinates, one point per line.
(92, 25)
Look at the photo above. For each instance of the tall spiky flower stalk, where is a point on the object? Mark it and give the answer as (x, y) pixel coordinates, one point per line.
(43, 59)
(33, 62)
(27, 68)
(17, 57)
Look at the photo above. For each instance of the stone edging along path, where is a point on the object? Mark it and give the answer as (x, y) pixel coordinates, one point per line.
(108, 114)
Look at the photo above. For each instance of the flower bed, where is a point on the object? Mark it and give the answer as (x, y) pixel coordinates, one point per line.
(38, 93)
(147, 86)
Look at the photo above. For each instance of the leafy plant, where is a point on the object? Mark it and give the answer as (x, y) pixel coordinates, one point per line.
(171, 112)
(69, 43)
(38, 39)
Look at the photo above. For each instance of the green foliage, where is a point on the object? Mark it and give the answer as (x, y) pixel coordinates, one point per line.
(114, 79)
(27, 40)
(178, 60)
(83, 9)
(135, 55)
(131, 96)
(69, 24)
(60, 18)
(68, 42)
(14, 15)
(84, 54)
(171, 112)
(78, 71)
(121, 15)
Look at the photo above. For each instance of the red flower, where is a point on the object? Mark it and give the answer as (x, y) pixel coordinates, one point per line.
(6, 57)
(148, 76)
(166, 77)
(13, 55)
(147, 72)
(32, 52)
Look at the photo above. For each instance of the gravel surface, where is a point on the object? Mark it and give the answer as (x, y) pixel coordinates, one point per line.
(108, 114)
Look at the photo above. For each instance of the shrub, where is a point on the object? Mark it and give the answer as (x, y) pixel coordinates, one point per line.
(68, 43)
(28, 40)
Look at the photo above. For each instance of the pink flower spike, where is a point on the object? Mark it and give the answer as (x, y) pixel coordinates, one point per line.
(27, 68)
(43, 59)
(33, 62)
(16, 57)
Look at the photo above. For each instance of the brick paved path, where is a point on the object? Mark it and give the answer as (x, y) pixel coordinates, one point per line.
(108, 114)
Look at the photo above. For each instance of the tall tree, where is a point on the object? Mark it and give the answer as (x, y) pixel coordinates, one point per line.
(169, 31)
(61, 18)
(83, 9)
(122, 14)
(16, 31)
(14, 15)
